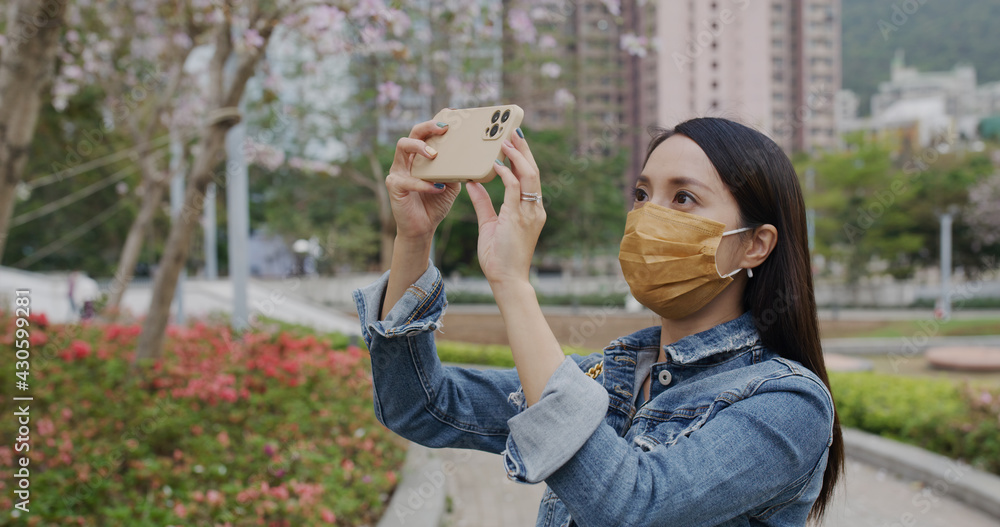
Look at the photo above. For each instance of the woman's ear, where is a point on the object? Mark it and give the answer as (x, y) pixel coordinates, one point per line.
(761, 244)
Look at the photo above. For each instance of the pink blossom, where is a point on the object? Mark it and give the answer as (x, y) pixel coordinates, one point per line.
(634, 45)
(388, 92)
(368, 9)
(551, 70)
(180, 510)
(521, 26)
(253, 39)
(399, 21)
(214, 497)
(563, 98)
(45, 427)
(182, 40)
(547, 42)
(223, 439)
(328, 516)
(614, 6)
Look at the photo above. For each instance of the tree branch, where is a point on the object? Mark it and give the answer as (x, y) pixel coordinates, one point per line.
(360, 178)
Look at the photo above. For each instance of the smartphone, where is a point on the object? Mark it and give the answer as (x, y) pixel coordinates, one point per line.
(466, 152)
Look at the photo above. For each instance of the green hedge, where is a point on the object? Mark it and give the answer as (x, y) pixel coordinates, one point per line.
(958, 420)
(594, 299)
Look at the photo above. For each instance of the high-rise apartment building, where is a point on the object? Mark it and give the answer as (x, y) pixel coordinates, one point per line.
(774, 65)
(601, 92)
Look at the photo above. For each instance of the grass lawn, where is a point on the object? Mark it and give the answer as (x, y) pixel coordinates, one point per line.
(909, 328)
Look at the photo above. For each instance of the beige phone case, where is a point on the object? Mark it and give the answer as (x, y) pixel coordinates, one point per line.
(466, 152)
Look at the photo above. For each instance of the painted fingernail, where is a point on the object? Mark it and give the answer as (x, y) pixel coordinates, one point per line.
(442, 125)
(508, 143)
(430, 151)
(439, 185)
(498, 161)
(519, 132)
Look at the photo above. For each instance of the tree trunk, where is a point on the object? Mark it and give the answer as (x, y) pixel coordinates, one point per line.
(151, 199)
(25, 71)
(179, 242)
(154, 183)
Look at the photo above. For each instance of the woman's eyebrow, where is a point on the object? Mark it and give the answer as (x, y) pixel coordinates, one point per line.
(677, 181)
(681, 181)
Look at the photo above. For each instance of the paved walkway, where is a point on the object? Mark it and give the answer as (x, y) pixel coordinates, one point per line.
(272, 298)
(480, 495)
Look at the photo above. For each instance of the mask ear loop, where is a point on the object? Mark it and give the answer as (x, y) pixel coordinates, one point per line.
(749, 272)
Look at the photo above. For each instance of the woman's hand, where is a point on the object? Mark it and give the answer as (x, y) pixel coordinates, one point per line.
(418, 205)
(507, 240)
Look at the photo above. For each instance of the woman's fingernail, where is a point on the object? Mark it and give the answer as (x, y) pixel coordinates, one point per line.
(498, 161)
(519, 132)
(508, 143)
(442, 125)
(430, 151)
(439, 185)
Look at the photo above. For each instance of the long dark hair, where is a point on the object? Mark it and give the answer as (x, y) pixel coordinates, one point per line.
(780, 295)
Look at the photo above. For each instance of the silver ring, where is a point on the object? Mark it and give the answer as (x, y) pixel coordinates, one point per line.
(531, 196)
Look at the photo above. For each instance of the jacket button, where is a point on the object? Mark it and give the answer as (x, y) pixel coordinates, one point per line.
(665, 377)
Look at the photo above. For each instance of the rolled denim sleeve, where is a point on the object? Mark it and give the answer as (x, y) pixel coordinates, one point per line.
(415, 395)
(547, 434)
(423, 302)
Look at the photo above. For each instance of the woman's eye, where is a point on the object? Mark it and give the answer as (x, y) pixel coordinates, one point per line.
(640, 195)
(683, 198)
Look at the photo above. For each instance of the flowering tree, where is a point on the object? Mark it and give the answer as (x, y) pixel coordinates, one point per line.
(982, 213)
(135, 53)
(239, 35)
(27, 50)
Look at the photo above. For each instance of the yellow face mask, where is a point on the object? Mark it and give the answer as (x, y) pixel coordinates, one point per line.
(668, 258)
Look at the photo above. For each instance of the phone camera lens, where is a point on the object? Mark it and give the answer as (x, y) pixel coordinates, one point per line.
(496, 115)
(493, 131)
(506, 115)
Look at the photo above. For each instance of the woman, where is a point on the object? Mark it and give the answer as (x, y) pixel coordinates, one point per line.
(722, 415)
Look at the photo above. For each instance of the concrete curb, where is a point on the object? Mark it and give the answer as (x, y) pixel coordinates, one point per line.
(419, 499)
(943, 476)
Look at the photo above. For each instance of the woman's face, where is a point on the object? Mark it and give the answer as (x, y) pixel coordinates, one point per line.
(678, 175)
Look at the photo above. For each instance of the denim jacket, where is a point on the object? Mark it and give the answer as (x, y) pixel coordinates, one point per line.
(732, 433)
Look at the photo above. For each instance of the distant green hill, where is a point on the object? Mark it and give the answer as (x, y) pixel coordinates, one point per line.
(935, 36)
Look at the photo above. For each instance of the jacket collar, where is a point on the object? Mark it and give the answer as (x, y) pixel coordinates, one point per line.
(737, 334)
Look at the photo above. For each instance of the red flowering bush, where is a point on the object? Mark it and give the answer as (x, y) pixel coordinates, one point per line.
(264, 428)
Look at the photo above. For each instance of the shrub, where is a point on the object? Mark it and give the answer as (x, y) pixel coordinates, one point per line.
(263, 428)
(958, 420)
